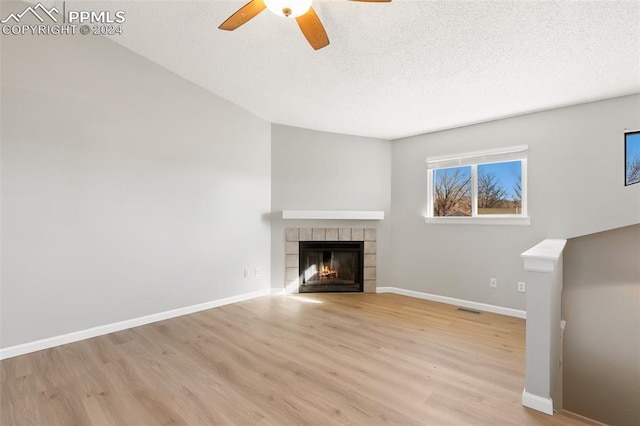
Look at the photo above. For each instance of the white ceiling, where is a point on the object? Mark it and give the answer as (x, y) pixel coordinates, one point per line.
(401, 68)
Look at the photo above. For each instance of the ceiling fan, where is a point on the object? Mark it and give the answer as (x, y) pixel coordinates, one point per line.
(301, 10)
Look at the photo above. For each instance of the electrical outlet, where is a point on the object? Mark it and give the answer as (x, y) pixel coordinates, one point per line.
(256, 272)
(522, 287)
(493, 282)
(246, 272)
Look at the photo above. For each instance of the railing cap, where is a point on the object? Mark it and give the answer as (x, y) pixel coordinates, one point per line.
(543, 256)
(549, 249)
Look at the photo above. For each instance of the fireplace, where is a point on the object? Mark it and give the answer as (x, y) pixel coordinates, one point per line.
(295, 268)
(331, 266)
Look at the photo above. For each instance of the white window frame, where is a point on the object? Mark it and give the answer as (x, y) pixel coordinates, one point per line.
(473, 159)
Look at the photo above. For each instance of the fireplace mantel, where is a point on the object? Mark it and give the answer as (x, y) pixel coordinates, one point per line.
(334, 214)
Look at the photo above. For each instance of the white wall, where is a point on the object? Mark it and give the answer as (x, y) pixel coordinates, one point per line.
(126, 191)
(576, 187)
(314, 170)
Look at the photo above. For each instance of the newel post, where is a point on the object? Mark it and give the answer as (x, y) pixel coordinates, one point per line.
(543, 381)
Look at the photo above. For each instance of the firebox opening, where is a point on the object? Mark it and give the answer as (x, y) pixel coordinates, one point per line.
(331, 266)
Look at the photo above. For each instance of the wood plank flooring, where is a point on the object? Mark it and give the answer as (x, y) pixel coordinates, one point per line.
(314, 359)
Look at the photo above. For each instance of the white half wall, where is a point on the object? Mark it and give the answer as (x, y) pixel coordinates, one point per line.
(576, 187)
(126, 190)
(314, 170)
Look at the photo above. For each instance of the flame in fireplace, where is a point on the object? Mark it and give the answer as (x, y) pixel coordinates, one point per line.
(327, 273)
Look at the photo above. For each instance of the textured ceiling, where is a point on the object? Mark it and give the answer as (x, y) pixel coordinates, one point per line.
(401, 68)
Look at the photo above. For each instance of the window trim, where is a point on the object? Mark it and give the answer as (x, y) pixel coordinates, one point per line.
(473, 159)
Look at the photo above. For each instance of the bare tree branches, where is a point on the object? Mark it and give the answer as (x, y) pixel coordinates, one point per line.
(517, 194)
(490, 191)
(633, 171)
(452, 193)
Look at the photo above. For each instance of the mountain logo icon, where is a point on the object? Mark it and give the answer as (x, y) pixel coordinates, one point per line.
(33, 11)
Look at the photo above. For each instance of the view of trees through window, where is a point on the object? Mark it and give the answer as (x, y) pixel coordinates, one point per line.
(499, 189)
(452, 192)
(632, 157)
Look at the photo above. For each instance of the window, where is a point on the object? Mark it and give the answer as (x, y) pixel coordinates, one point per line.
(482, 187)
(632, 157)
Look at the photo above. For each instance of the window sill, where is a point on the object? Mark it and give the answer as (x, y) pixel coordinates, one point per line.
(493, 220)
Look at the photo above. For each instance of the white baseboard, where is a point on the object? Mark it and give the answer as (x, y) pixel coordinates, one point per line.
(75, 336)
(538, 403)
(458, 302)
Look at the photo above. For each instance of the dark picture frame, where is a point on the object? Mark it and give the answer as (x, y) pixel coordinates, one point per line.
(631, 157)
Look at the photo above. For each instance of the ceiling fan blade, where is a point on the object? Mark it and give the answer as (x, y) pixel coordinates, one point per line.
(313, 29)
(243, 15)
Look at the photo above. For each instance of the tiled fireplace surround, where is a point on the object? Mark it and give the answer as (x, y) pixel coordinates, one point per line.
(294, 235)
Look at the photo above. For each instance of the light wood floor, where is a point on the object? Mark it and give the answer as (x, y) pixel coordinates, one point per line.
(357, 359)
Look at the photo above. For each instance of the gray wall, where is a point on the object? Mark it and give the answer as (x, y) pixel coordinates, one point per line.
(601, 305)
(314, 170)
(576, 166)
(126, 191)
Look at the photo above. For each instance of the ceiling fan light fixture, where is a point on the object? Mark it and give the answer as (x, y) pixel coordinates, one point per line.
(288, 8)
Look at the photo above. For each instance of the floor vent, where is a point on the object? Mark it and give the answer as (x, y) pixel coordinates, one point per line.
(469, 311)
